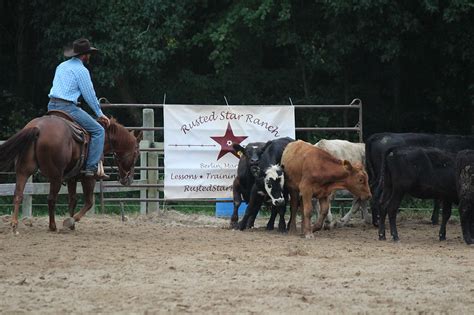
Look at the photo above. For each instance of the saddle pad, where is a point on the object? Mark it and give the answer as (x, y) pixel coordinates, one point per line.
(78, 133)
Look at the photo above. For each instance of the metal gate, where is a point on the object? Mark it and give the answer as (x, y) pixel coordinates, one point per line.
(151, 166)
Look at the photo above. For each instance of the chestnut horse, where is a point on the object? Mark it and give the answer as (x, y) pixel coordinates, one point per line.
(46, 143)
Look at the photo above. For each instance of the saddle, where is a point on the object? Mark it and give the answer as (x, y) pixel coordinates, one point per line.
(79, 134)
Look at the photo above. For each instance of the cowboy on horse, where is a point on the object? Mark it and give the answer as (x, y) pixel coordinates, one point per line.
(57, 147)
(71, 80)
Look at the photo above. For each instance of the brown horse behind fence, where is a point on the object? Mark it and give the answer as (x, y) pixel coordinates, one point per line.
(46, 143)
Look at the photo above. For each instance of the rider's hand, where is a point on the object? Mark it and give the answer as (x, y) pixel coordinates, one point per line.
(105, 120)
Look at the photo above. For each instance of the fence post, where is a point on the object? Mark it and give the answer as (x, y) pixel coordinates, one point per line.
(152, 179)
(27, 204)
(144, 144)
(149, 135)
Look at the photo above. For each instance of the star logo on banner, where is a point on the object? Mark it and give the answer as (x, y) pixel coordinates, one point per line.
(226, 142)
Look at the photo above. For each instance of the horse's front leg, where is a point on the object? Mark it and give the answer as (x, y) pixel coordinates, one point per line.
(72, 196)
(88, 185)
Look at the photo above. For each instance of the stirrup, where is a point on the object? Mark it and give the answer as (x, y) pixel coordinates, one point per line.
(100, 169)
(99, 174)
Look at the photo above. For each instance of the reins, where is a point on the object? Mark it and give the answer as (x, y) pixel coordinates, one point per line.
(117, 159)
(114, 154)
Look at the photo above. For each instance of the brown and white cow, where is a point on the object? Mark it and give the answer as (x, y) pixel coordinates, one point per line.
(312, 172)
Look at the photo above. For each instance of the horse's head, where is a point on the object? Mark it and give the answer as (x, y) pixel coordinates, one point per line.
(124, 145)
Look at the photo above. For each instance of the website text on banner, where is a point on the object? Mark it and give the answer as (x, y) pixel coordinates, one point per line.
(199, 159)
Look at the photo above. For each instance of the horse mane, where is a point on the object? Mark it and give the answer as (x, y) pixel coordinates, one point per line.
(115, 127)
(119, 134)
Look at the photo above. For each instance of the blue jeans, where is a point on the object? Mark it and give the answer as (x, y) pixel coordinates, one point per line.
(97, 132)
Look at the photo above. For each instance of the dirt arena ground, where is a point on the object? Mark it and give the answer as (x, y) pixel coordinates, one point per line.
(176, 263)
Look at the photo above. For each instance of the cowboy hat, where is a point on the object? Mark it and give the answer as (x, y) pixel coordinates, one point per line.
(80, 47)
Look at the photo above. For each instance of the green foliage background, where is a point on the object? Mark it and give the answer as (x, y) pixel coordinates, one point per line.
(411, 62)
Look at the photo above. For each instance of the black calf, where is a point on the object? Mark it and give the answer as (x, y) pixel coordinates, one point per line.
(378, 145)
(425, 173)
(243, 183)
(268, 186)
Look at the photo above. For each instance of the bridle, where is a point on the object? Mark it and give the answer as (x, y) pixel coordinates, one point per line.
(118, 159)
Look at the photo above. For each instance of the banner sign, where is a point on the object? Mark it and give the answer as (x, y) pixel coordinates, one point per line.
(199, 159)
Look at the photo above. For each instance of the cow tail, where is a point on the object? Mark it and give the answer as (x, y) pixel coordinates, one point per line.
(16, 146)
(385, 179)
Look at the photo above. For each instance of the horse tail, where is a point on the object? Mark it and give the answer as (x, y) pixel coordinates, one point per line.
(16, 146)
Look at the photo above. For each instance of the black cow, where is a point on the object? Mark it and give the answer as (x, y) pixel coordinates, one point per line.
(377, 146)
(268, 186)
(465, 189)
(421, 172)
(243, 183)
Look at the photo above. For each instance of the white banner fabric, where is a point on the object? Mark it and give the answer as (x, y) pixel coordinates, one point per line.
(199, 159)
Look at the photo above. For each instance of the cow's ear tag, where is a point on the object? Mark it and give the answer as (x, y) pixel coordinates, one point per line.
(239, 153)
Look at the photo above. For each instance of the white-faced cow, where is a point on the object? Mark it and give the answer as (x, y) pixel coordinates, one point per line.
(312, 172)
(268, 187)
(354, 153)
(421, 172)
(245, 179)
(465, 188)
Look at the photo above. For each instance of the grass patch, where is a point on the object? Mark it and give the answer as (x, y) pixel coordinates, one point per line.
(410, 207)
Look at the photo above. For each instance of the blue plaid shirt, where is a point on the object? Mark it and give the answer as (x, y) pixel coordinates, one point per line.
(71, 80)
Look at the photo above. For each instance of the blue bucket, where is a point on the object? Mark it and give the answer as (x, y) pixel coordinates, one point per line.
(225, 209)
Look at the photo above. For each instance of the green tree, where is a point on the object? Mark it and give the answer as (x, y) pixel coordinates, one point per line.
(410, 62)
